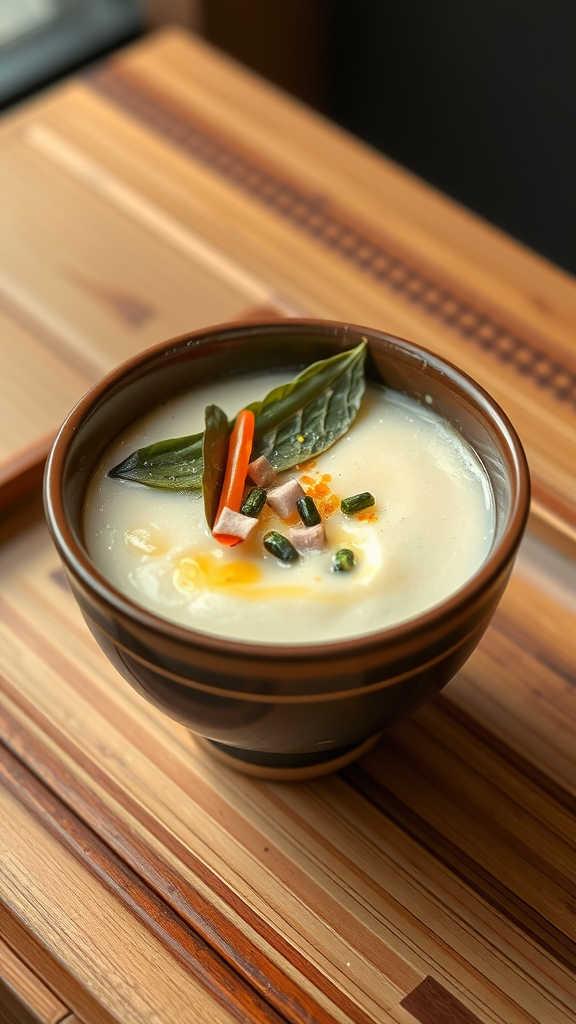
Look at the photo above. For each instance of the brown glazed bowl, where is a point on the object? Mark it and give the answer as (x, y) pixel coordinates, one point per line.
(283, 711)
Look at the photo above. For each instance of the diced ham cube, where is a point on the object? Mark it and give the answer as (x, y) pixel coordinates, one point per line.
(309, 538)
(283, 499)
(262, 473)
(233, 524)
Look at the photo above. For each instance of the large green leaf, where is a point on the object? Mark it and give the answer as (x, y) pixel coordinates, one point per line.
(294, 422)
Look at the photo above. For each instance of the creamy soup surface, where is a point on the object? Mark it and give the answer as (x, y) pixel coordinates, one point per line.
(429, 531)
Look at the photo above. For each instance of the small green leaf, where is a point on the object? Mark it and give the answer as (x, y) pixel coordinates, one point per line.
(295, 422)
(172, 465)
(214, 457)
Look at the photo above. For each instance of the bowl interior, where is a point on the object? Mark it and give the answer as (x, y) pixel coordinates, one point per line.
(152, 378)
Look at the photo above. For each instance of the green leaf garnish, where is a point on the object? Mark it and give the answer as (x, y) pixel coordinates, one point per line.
(172, 465)
(214, 457)
(295, 422)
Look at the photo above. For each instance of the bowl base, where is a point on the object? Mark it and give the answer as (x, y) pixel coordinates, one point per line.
(285, 767)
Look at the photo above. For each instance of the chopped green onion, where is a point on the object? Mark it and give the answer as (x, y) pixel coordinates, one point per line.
(356, 503)
(253, 502)
(280, 547)
(309, 514)
(343, 560)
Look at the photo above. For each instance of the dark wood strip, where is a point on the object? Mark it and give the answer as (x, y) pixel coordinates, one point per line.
(446, 951)
(444, 300)
(21, 475)
(187, 947)
(529, 641)
(526, 859)
(189, 903)
(62, 981)
(431, 1003)
(15, 1010)
(24, 994)
(519, 764)
(463, 866)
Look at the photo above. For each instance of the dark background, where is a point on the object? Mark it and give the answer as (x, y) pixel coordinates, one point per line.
(478, 97)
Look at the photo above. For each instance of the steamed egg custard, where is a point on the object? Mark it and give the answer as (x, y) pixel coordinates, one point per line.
(428, 530)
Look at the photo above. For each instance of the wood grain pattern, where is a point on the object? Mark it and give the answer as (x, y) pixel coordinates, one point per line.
(434, 880)
(24, 998)
(431, 1004)
(171, 157)
(447, 853)
(191, 953)
(436, 272)
(329, 225)
(71, 309)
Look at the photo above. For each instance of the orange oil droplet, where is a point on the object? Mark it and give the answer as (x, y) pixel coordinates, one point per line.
(306, 466)
(235, 573)
(368, 517)
(329, 506)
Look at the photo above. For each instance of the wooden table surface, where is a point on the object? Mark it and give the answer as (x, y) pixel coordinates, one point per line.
(432, 881)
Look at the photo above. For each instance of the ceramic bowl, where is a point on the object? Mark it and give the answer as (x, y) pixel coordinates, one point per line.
(284, 711)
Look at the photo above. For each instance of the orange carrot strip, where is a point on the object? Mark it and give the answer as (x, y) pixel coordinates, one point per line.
(239, 450)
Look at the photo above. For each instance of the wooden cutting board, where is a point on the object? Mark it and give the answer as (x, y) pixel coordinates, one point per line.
(433, 881)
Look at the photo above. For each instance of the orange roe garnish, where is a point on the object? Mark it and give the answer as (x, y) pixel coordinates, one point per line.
(329, 505)
(368, 517)
(320, 490)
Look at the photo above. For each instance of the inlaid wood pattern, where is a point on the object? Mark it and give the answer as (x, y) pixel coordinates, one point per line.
(437, 872)
(322, 219)
(431, 1004)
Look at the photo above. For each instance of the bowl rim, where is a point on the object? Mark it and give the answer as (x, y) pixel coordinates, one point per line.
(76, 558)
